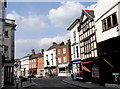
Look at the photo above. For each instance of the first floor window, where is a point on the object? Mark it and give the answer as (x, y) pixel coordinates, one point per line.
(87, 47)
(65, 59)
(109, 22)
(59, 60)
(77, 51)
(47, 62)
(64, 50)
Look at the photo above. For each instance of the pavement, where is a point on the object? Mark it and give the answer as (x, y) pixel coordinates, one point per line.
(90, 85)
(18, 85)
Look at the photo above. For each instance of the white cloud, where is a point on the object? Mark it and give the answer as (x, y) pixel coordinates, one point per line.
(65, 14)
(91, 7)
(24, 46)
(30, 22)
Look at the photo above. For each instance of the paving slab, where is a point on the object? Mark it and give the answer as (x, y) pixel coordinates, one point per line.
(90, 85)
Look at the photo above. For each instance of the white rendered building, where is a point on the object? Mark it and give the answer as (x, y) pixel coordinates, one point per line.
(75, 46)
(107, 24)
(50, 60)
(25, 66)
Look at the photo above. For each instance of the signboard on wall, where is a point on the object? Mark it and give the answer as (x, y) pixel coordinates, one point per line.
(95, 71)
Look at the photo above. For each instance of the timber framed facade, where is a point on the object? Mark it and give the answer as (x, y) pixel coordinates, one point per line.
(88, 46)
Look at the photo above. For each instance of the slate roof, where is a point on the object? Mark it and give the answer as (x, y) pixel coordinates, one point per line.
(36, 56)
(53, 46)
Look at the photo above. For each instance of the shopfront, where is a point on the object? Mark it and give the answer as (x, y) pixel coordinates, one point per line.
(33, 71)
(91, 70)
(77, 72)
(109, 56)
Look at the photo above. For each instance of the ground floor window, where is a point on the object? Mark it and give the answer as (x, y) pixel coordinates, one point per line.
(95, 71)
(62, 70)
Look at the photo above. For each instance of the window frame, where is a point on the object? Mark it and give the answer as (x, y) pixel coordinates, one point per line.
(64, 50)
(59, 51)
(105, 24)
(6, 33)
(87, 46)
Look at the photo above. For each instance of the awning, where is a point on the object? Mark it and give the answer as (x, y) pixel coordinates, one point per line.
(87, 62)
(86, 69)
(75, 60)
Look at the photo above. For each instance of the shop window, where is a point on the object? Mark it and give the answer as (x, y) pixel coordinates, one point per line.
(95, 71)
(61, 70)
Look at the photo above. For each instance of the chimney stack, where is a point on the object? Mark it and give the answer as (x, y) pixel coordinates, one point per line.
(33, 52)
(42, 51)
(54, 43)
(68, 41)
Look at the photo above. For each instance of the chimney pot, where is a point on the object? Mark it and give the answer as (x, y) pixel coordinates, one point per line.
(33, 52)
(42, 51)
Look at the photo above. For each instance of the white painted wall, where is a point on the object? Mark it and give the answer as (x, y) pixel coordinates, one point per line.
(49, 52)
(101, 36)
(9, 41)
(72, 41)
(24, 64)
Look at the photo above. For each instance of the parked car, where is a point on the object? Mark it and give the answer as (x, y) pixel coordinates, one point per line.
(38, 76)
(31, 76)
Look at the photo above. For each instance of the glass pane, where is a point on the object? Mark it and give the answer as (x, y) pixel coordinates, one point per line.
(114, 19)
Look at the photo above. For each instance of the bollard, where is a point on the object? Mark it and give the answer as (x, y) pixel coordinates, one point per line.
(30, 79)
(21, 82)
(16, 85)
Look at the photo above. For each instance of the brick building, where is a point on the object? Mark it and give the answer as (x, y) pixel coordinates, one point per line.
(40, 65)
(36, 63)
(63, 57)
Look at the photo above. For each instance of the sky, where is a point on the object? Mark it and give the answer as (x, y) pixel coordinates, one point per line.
(41, 23)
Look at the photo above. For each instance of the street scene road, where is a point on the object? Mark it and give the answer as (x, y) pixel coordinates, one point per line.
(52, 82)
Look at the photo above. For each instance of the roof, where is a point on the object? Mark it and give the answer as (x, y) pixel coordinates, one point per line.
(36, 56)
(73, 24)
(88, 13)
(25, 56)
(53, 46)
